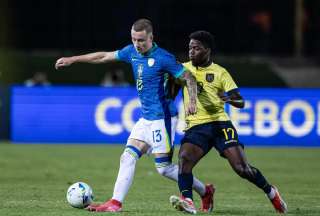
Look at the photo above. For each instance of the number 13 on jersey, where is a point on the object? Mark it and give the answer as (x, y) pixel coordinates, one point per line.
(156, 136)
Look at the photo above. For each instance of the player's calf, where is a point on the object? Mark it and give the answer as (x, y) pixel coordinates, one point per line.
(166, 168)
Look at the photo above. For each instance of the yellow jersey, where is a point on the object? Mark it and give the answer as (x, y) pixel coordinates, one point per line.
(210, 81)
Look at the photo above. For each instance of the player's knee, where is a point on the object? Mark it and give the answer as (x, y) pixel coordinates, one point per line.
(186, 162)
(130, 155)
(185, 157)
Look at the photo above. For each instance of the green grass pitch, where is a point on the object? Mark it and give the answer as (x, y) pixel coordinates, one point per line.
(34, 180)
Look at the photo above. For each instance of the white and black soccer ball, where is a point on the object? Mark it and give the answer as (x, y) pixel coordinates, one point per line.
(79, 195)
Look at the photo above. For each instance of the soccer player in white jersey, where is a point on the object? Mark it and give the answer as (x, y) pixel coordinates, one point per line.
(153, 132)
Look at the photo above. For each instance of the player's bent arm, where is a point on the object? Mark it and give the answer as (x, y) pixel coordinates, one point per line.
(92, 58)
(175, 87)
(234, 99)
(191, 84)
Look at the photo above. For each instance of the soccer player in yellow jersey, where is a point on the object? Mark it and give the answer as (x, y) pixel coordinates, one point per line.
(211, 126)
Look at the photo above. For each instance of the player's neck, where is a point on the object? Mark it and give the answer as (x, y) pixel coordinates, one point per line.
(150, 49)
(205, 63)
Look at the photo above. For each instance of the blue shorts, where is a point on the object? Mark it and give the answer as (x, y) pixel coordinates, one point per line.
(219, 134)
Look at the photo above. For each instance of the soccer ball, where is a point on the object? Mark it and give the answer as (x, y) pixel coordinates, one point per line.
(79, 195)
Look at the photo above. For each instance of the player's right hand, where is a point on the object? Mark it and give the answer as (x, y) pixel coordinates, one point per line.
(191, 108)
(63, 62)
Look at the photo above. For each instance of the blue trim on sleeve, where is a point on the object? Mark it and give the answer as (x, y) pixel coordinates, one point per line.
(163, 159)
(117, 55)
(180, 72)
(233, 91)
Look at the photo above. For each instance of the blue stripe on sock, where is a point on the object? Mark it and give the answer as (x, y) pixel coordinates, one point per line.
(135, 150)
(163, 159)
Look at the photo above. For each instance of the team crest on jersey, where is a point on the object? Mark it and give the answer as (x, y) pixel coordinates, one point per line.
(151, 62)
(209, 77)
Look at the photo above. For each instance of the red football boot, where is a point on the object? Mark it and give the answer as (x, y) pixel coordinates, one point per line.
(207, 201)
(278, 203)
(109, 206)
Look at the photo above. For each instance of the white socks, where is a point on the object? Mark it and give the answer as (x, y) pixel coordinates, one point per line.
(272, 193)
(125, 175)
(171, 172)
(124, 180)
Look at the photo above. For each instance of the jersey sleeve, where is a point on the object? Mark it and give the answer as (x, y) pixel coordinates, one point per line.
(171, 65)
(228, 84)
(124, 54)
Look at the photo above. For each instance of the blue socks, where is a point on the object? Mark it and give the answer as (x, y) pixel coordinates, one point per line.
(185, 182)
(260, 181)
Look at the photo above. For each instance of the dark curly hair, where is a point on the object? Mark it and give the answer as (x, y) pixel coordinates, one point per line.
(206, 38)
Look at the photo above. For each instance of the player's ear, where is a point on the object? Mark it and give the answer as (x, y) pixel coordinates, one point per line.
(151, 36)
(208, 51)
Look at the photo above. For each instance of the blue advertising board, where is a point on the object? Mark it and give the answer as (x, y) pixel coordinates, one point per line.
(271, 117)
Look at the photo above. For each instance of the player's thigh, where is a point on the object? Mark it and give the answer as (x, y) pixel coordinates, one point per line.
(161, 135)
(138, 137)
(138, 144)
(197, 140)
(226, 137)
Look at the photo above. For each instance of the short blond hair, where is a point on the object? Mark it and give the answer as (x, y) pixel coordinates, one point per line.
(143, 25)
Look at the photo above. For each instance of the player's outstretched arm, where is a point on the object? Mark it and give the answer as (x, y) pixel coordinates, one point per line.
(92, 58)
(189, 80)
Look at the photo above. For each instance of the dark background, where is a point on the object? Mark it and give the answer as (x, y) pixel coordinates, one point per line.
(34, 34)
(252, 37)
(94, 24)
